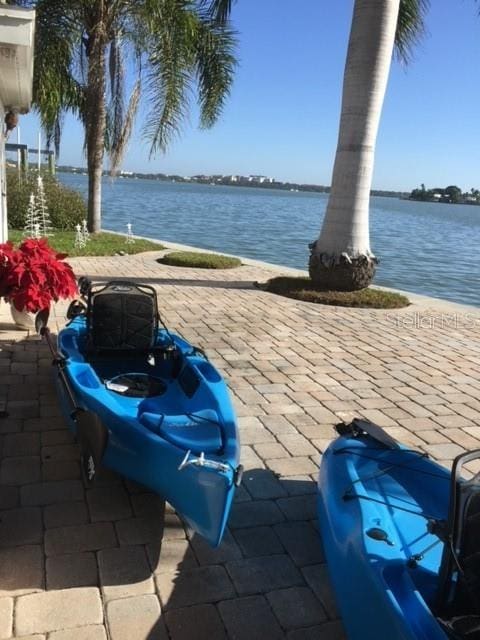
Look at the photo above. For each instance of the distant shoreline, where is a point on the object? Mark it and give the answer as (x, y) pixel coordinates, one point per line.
(445, 195)
(439, 201)
(226, 181)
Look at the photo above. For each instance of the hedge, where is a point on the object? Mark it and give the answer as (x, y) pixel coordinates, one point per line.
(66, 206)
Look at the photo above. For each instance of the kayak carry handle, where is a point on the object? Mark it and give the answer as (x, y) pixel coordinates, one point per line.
(201, 461)
(76, 308)
(84, 285)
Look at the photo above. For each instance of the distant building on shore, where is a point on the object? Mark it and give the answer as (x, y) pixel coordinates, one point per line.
(260, 179)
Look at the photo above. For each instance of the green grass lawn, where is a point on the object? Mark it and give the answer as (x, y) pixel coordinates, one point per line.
(199, 260)
(303, 289)
(100, 244)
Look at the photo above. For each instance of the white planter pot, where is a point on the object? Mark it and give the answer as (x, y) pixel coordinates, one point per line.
(23, 319)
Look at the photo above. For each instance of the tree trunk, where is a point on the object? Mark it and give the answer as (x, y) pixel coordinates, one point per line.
(95, 123)
(341, 257)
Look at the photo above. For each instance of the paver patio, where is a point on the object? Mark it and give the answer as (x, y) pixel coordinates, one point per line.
(80, 564)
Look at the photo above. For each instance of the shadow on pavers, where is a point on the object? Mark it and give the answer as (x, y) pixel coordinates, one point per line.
(55, 534)
(267, 580)
(185, 282)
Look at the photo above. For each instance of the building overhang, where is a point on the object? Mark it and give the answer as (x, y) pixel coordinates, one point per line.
(17, 27)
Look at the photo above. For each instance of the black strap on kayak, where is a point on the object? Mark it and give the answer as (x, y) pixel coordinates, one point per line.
(363, 429)
(196, 418)
(399, 465)
(348, 495)
(359, 496)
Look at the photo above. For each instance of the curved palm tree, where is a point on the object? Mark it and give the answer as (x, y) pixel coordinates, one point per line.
(341, 258)
(84, 48)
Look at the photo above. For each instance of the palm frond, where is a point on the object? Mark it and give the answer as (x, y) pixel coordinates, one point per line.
(120, 142)
(218, 10)
(186, 44)
(410, 27)
(57, 134)
(117, 97)
(55, 89)
(173, 44)
(216, 65)
(169, 71)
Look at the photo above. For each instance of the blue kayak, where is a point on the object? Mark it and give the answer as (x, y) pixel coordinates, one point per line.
(145, 403)
(402, 539)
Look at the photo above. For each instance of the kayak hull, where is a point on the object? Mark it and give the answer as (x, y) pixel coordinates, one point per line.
(374, 506)
(146, 438)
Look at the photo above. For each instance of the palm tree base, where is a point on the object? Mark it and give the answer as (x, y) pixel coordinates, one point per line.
(343, 274)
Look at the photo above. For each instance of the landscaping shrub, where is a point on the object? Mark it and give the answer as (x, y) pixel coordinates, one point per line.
(66, 206)
(304, 289)
(199, 260)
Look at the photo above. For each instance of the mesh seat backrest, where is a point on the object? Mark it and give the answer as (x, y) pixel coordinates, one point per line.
(122, 316)
(469, 548)
(460, 590)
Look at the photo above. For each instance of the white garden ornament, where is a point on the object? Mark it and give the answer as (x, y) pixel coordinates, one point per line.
(85, 232)
(80, 241)
(129, 239)
(42, 210)
(32, 226)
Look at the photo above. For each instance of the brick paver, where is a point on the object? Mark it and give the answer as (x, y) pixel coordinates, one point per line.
(201, 622)
(21, 570)
(107, 562)
(71, 570)
(6, 617)
(60, 609)
(296, 607)
(91, 632)
(137, 617)
(250, 618)
(124, 572)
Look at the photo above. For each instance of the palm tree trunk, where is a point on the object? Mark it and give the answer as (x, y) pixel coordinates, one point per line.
(341, 257)
(95, 125)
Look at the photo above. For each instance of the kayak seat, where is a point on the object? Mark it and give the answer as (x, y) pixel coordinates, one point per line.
(462, 627)
(198, 432)
(122, 317)
(458, 600)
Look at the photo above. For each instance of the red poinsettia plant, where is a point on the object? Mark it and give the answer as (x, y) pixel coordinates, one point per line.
(34, 275)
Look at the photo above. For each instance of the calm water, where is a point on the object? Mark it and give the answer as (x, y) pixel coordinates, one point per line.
(428, 248)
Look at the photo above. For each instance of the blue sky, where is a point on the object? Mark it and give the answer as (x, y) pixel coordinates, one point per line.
(281, 119)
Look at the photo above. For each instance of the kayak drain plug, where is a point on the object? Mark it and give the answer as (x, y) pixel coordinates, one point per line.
(379, 534)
